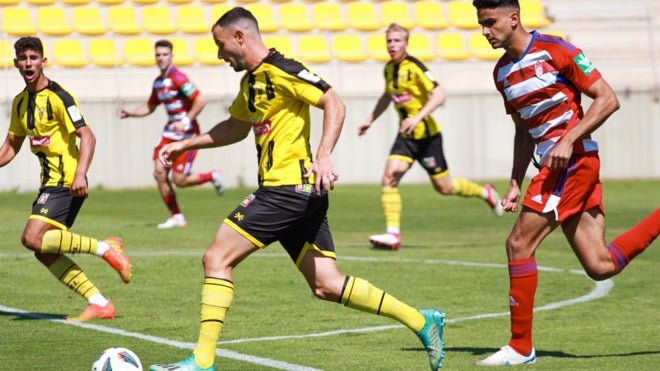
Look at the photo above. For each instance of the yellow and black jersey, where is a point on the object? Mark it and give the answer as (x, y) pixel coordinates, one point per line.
(409, 84)
(49, 119)
(275, 99)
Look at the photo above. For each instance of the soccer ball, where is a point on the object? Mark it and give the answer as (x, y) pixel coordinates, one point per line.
(117, 359)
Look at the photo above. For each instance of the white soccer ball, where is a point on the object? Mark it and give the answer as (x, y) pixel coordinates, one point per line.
(117, 359)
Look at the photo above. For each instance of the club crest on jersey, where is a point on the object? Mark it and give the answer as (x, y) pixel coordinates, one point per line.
(584, 63)
(247, 200)
(261, 128)
(538, 68)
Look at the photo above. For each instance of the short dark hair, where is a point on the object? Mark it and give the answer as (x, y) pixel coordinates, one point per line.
(28, 43)
(234, 15)
(164, 43)
(492, 4)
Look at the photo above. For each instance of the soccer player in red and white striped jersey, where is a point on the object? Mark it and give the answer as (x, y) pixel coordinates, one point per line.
(541, 79)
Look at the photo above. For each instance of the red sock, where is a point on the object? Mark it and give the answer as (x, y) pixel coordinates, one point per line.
(172, 205)
(205, 177)
(523, 278)
(631, 243)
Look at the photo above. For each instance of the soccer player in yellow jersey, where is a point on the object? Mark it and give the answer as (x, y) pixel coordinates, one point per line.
(49, 117)
(291, 202)
(416, 94)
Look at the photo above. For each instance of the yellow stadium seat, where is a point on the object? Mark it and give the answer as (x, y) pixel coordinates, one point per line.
(247, 1)
(144, 2)
(428, 14)
(139, 51)
(157, 20)
(68, 52)
(9, 2)
(396, 11)
(264, 14)
(6, 54)
(103, 52)
(419, 46)
(40, 2)
(313, 48)
(217, 10)
(462, 15)
(452, 47)
(191, 19)
(281, 43)
(181, 51)
(214, 1)
(122, 20)
(362, 16)
(533, 15)
(295, 18)
(377, 47)
(17, 21)
(51, 20)
(76, 2)
(205, 51)
(179, 2)
(110, 2)
(328, 16)
(348, 48)
(87, 20)
(481, 48)
(558, 33)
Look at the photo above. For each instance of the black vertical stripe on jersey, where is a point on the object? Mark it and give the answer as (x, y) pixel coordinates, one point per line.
(67, 101)
(251, 93)
(31, 107)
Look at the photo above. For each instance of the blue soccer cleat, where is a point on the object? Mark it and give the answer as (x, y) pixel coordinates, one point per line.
(431, 336)
(187, 364)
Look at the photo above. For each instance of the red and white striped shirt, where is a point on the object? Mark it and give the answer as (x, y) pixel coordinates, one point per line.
(545, 86)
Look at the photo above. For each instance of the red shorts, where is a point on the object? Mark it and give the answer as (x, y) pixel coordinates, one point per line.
(182, 164)
(575, 189)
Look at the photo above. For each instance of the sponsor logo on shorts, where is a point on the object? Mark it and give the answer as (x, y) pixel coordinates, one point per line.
(247, 200)
(538, 199)
(43, 198)
(429, 162)
(43, 211)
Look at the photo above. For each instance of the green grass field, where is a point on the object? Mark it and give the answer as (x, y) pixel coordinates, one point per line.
(453, 258)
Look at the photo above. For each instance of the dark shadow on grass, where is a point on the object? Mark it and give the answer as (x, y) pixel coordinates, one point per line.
(32, 316)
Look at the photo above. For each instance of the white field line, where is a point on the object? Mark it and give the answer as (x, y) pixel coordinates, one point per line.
(601, 289)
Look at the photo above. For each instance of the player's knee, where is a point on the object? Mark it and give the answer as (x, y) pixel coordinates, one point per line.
(31, 241)
(600, 272)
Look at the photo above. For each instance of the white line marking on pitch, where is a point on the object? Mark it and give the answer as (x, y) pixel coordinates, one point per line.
(601, 289)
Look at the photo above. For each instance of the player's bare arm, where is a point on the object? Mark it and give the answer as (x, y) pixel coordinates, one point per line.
(10, 148)
(140, 111)
(436, 99)
(381, 106)
(334, 112)
(87, 145)
(604, 105)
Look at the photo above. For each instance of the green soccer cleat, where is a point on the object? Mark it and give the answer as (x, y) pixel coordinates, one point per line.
(431, 336)
(187, 364)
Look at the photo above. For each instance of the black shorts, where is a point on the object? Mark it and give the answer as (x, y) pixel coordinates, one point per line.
(428, 152)
(295, 215)
(56, 206)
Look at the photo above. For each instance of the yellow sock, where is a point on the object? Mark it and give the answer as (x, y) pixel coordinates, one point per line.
(361, 295)
(467, 188)
(391, 200)
(68, 272)
(217, 295)
(57, 241)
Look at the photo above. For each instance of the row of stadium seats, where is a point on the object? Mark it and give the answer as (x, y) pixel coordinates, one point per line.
(311, 48)
(143, 2)
(287, 17)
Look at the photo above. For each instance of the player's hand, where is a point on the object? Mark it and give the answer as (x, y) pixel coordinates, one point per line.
(169, 152)
(510, 200)
(79, 187)
(123, 113)
(408, 125)
(362, 129)
(178, 127)
(325, 174)
(559, 155)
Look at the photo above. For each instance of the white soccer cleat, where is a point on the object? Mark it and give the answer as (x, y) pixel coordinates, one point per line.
(506, 356)
(217, 181)
(389, 241)
(493, 200)
(174, 221)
